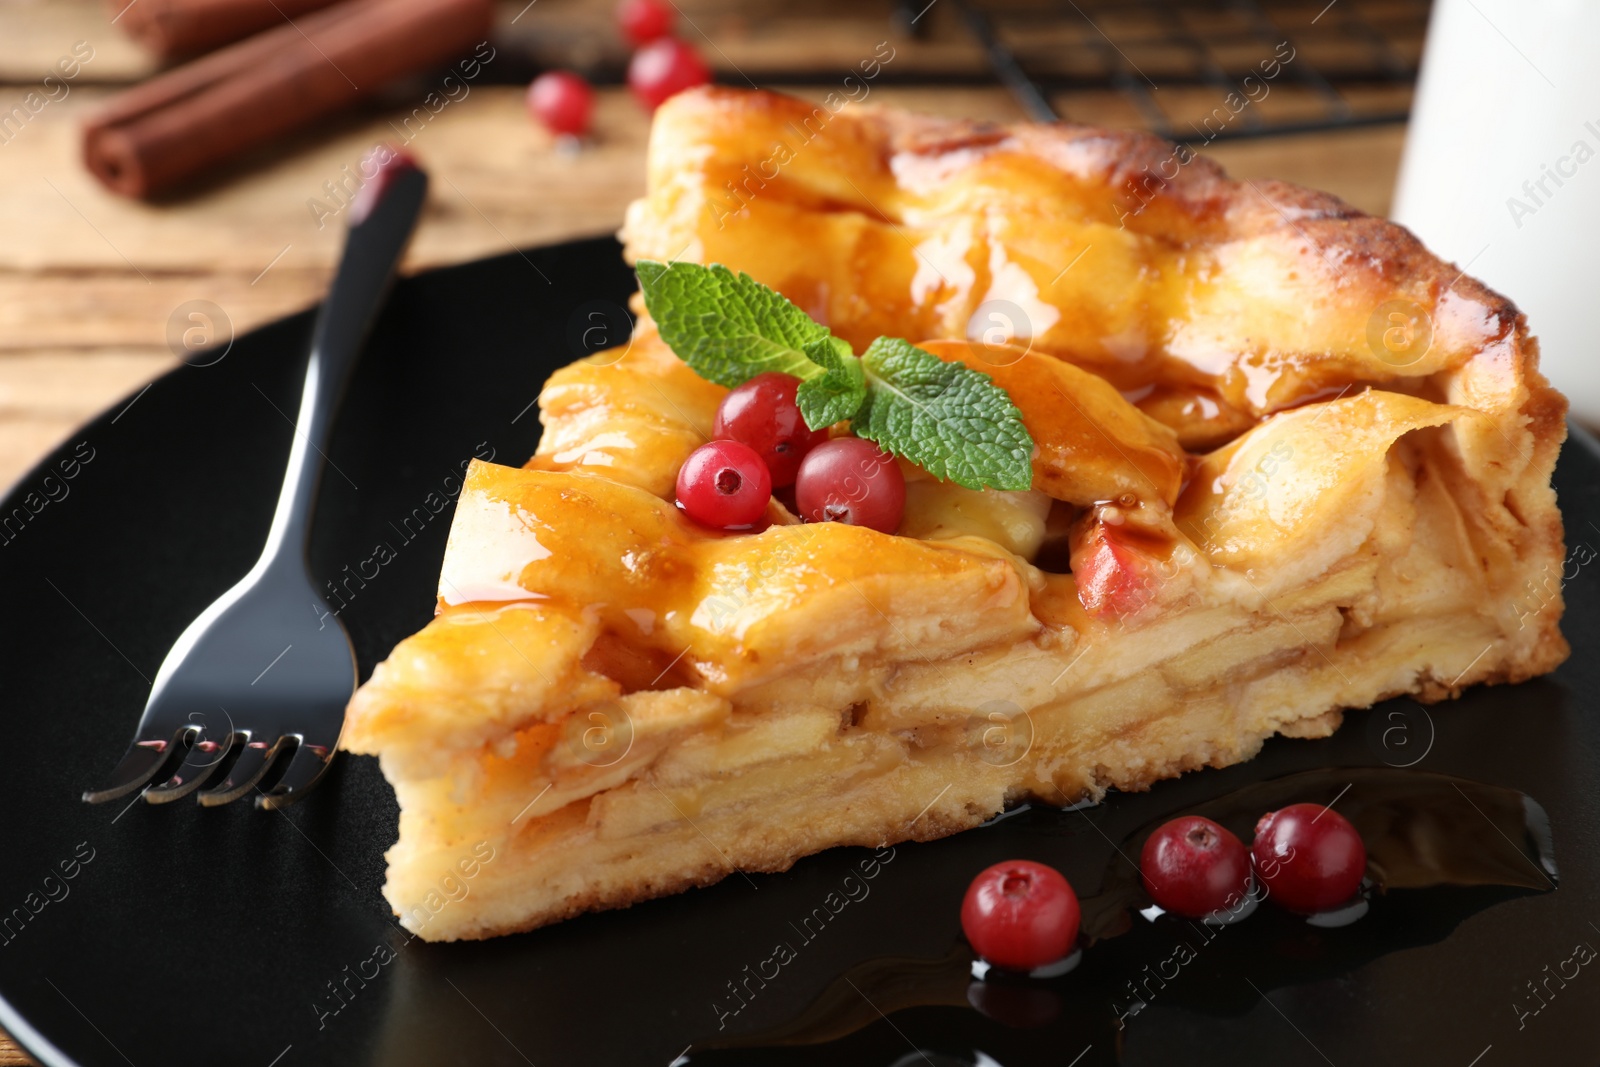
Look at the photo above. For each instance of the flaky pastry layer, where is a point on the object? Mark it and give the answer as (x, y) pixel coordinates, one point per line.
(622, 704)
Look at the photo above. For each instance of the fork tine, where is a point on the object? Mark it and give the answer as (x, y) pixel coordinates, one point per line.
(201, 764)
(306, 768)
(251, 766)
(143, 763)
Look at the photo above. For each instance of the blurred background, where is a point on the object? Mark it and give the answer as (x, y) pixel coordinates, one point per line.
(100, 291)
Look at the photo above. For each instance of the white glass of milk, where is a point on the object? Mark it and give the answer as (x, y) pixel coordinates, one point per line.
(1501, 172)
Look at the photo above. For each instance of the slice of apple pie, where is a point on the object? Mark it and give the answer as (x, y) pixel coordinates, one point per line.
(1284, 462)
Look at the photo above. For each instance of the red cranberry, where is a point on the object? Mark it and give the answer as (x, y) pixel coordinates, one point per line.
(562, 101)
(1193, 867)
(642, 21)
(762, 413)
(851, 480)
(1309, 857)
(663, 68)
(724, 484)
(1020, 915)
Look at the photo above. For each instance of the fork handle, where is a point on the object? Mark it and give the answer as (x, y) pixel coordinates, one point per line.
(382, 217)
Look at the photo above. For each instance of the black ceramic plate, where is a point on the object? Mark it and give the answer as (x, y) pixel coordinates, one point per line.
(241, 937)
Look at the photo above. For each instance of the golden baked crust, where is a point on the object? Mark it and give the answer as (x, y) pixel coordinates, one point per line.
(1245, 518)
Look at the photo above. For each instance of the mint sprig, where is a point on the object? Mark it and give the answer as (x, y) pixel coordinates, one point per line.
(947, 418)
(838, 392)
(728, 327)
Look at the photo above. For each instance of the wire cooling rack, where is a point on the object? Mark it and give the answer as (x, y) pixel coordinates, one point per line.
(1189, 70)
(1204, 69)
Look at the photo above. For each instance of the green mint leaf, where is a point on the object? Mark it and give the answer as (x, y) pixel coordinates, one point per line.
(947, 418)
(837, 392)
(728, 327)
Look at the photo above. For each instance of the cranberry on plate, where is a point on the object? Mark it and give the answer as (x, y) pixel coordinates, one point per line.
(663, 68)
(724, 484)
(642, 21)
(762, 413)
(1020, 915)
(1309, 857)
(561, 100)
(851, 480)
(1193, 867)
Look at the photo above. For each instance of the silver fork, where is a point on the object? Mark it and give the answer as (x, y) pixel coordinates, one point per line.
(260, 679)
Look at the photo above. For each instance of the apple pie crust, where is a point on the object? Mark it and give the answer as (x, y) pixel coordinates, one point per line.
(1246, 516)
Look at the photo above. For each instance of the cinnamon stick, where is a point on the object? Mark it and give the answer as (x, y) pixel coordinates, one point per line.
(154, 136)
(174, 28)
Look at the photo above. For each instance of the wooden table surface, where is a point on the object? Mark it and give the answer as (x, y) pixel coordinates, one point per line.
(89, 281)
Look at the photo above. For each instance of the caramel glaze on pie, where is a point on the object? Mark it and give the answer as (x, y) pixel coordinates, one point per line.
(1243, 520)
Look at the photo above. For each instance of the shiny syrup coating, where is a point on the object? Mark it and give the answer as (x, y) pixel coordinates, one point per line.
(1214, 302)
